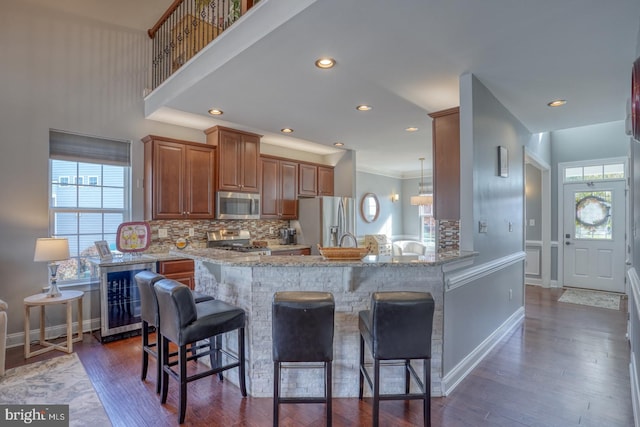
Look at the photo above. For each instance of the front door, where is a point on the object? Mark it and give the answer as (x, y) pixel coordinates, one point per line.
(594, 235)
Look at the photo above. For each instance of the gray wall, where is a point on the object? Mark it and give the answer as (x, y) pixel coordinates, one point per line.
(69, 74)
(474, 311)
(390, 219)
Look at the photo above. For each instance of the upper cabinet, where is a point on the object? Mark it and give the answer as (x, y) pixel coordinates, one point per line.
(279, 195)
(314, 180)
(325, 181)
(178, 179)
(237, 159)
(446, 164)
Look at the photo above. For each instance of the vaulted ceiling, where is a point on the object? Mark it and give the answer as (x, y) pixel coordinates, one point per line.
(403, 58)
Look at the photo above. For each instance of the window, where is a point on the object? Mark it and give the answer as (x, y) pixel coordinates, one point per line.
(86, 210)
(594, 172)
(427, 225)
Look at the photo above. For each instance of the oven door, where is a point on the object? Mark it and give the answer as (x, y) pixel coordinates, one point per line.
(231, 205)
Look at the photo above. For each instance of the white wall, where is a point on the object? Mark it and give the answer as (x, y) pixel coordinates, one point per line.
(63, 73)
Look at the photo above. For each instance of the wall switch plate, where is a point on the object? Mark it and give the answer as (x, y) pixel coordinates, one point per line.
(532, 223)
(162, 233)
(192, 232)
(510, 226)
(482, 226)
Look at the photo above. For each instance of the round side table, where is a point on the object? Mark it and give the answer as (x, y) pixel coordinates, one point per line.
(42, 300)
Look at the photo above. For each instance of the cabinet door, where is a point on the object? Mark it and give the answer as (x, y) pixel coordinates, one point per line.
(168, 180)
(325, 181)
(250, 161)
(199, 182)
(288, 190)
(270, 185)
(229, 147)
(308, 180)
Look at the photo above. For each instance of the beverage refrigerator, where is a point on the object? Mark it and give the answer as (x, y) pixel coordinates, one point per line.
(323, 220)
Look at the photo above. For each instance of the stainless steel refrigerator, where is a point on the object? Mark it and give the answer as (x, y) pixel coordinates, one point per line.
(323, 220)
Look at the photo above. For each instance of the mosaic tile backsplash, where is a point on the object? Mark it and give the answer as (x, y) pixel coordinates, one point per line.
(448, 235)
(261, 229)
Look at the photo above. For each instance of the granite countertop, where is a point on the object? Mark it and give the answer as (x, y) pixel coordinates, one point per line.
(222, 257)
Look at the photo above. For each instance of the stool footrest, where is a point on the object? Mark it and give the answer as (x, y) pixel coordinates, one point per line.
(302, 399)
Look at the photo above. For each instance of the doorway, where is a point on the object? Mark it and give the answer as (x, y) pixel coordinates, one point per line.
(593, 224)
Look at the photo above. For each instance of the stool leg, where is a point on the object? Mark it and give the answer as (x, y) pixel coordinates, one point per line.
(407, 377)
(360, 393)
(182, 362)
(376, 392)
(241, 361)
(276, 392)
(165, 362)
(145, 345)
(327, 387)
(158, 361)
(427, 392)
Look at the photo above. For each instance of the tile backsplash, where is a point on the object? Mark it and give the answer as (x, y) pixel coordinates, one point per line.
(260, 229)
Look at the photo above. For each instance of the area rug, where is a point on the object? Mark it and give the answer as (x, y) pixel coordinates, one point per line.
(592, 298)
(61, 380)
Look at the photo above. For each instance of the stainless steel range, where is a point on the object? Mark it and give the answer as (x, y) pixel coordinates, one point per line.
(234, 240)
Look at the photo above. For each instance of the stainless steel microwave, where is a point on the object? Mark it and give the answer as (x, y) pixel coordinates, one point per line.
(232, 205)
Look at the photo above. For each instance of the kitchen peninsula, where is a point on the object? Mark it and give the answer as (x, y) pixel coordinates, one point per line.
(249, 281)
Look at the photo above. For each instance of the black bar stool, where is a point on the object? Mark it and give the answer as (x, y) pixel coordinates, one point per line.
(150, 319)
(302, 331)
(184, 323)
(398, 327)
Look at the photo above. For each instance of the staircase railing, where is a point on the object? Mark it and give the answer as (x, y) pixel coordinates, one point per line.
(186, 28)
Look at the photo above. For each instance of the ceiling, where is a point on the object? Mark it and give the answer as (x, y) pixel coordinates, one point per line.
(402, 58)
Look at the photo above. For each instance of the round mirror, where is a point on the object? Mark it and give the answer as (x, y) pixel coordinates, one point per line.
(369, 207)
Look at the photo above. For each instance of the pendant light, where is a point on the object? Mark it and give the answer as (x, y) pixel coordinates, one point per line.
(423, 198)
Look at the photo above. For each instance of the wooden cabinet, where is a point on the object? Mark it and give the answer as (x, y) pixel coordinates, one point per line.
(279, 192)
(181, 270)
(297, 252)
(314, 180)
(179, 179)
(325, 181)
(446, 164)
(237, 159)
(307, 180)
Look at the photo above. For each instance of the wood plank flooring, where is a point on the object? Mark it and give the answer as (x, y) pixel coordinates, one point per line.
(567, 365)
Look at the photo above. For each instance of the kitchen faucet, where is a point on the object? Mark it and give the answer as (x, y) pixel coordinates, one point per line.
(355, 241)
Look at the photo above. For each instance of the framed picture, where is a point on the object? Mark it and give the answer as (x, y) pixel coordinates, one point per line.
(503, 162)
(103, 249)
(133, 236)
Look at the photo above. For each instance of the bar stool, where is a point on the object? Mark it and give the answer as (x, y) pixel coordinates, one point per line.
(398, 327)
(184, 322)
(302, 331)
(150, 319)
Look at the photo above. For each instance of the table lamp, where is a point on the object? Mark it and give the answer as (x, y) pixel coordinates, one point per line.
(51, 249)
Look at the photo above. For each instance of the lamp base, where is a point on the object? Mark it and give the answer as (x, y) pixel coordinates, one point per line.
(54, 292)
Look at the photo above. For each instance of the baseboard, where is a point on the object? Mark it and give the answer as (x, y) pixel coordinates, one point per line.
(462, 369)
(17, 339)
(635, 390)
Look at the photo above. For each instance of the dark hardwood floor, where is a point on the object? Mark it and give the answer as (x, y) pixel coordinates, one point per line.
(567, 365)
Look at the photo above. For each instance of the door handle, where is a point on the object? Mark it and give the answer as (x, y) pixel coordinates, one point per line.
(567, 243)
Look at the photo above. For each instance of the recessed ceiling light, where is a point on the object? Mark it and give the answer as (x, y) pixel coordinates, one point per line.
(286, 130)
(411, 129)
(338, 144)
(216, 112)
(325, 63)
(364, 107)
(557, 103)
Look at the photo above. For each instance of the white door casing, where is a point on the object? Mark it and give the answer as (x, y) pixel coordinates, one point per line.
(594, 235)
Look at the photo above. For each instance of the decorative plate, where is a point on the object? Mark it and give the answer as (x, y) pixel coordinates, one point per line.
(133, 236)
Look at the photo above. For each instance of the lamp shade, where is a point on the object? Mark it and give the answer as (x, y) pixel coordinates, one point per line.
(51, 249)
(422, 200)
